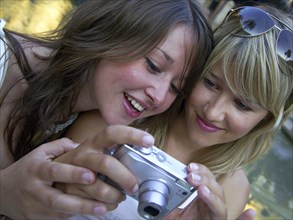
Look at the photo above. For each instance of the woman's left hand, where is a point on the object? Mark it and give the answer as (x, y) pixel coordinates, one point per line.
(210, 202)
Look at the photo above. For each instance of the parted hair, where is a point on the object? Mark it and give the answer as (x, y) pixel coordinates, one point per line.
(252, 70)
(121, 30)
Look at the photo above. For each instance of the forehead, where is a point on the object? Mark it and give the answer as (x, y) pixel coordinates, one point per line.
(178, 47)
(177, 41)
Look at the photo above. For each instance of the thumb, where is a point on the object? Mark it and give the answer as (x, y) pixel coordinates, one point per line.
(248, 214)
(120, 134)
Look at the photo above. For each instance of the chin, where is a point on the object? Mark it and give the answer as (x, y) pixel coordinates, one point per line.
(118, 122)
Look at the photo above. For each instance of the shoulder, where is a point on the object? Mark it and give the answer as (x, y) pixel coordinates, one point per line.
(237, 189)
(237, 177)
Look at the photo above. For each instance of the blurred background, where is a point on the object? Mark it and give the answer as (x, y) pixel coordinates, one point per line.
(271, 177)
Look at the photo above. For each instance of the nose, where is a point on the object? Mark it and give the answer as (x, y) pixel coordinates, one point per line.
(216, 109)
(158, 92)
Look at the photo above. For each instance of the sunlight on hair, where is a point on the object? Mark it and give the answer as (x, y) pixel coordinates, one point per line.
(33, 16)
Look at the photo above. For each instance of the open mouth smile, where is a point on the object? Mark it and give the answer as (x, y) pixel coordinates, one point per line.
(136, 106)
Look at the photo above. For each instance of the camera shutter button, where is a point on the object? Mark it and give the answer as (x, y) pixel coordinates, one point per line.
(161, 157)
(145, 150)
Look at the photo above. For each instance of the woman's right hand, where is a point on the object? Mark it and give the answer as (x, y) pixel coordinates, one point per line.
(27, 190)
(27, 186)
(91, 154)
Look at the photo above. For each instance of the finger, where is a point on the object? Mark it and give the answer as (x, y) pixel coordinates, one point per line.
(201, 175)
(104, 192)
(73, 204)
(248, 214)
(58, 147)
(109, 166)
(196, 180)
(213, 201)
(201, 170)
(99, 190)
(120, 134)
(65, 173)
(211, 193)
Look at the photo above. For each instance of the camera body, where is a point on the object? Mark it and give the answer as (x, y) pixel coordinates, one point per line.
(161, 179)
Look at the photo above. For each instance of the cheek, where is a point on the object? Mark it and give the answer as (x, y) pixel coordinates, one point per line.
(114, 71)
(197, 97)
(100, 84)
(240, 129)
(167, 103)
(241, 126)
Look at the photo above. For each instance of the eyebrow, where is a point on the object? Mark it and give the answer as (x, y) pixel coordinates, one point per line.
(168, 58)
(215, 76)
(251, 102)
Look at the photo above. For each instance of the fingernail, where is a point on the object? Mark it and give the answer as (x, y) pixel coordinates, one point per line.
(195, 177)
(194, 166)
(99, 210)
(206, 189)
(87, 177)
(252, 213)
(75, 145)
(148, 140)
(135, 189)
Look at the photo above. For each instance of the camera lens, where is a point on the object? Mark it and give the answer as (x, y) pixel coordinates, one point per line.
(152, 211)
(153, 199)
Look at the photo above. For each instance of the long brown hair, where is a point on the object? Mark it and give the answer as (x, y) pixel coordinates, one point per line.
(121, 30)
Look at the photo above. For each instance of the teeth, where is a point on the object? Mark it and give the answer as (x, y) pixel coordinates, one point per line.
(135, 104)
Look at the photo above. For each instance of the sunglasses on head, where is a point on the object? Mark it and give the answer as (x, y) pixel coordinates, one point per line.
(254, 21)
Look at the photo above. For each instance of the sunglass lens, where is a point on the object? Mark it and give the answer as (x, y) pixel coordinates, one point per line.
(285, 45)
(253, 21)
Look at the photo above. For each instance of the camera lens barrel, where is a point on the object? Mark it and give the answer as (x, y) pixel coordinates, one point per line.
(153, 199)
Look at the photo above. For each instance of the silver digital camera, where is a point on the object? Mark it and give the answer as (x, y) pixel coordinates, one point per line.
(161, 179)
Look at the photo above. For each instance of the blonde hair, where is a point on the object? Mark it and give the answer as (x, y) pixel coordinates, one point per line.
(253, 71)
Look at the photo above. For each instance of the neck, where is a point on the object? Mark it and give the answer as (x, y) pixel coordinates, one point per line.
(178, 144)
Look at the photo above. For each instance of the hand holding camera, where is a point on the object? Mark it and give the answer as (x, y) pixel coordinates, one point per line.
(161, 179)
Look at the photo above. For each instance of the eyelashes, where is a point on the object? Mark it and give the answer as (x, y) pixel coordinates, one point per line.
(240, 104)
(152, 68)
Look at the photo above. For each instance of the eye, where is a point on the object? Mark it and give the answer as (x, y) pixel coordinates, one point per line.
(151, 66)
(209, 83)
(242, 106)
(175, 90)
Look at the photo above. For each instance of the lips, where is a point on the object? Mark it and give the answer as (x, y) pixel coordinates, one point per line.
(136, 105)
(206, 126)
(133, 108)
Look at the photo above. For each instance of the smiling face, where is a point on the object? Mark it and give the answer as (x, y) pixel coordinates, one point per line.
(124, 92)
(215, 115)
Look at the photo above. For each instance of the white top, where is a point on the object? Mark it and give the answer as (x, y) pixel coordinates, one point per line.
(3, 53)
